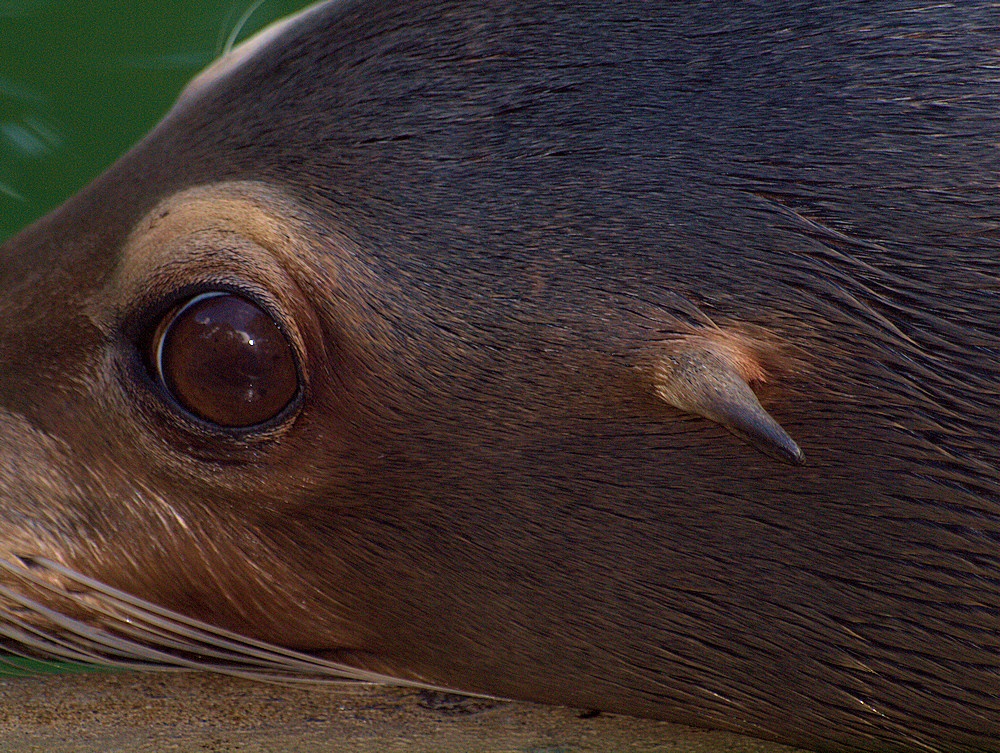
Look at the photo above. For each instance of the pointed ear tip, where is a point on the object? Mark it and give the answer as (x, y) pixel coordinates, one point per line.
(702, 380)
(779, 444)
(793, 455)
(775, 443)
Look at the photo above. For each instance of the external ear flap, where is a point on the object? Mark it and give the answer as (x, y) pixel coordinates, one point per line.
(699, 375)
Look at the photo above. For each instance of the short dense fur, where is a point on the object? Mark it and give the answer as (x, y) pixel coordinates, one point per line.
(506, 212)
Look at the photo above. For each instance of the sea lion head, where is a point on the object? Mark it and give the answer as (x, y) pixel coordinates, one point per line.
(570, 355)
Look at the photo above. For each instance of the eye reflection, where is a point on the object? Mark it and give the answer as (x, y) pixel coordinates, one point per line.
(224, 359)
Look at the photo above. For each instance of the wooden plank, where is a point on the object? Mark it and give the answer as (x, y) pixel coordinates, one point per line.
(201, 712)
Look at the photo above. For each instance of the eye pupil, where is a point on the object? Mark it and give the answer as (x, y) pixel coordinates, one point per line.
(224, 359)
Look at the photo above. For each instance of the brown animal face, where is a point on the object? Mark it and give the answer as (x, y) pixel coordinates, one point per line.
(141, 473)
(463, 344)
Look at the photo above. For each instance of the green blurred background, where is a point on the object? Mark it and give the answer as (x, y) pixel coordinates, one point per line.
(82, 80)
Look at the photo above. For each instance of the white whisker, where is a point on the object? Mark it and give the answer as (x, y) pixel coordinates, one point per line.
(129, 632)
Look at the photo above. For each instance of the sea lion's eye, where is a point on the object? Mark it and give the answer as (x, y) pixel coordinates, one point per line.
(224, 359)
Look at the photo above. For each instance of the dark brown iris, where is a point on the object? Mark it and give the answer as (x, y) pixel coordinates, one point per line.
(224, 359)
